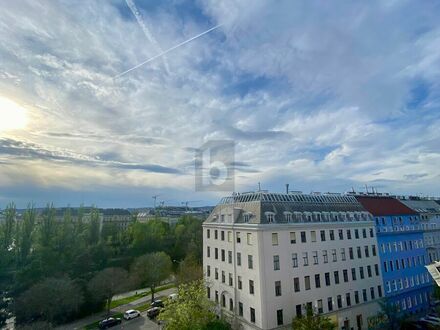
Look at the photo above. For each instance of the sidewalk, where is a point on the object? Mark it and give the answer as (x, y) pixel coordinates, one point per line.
(80, 324)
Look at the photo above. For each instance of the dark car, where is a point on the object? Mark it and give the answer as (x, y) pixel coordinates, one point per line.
(153, 312)
(110, 322)
(157, 303)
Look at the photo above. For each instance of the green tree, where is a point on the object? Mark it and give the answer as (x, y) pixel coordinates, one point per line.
(47, 226)
(94, 227)
(152, 269)
(189, 270)
(25, 232)
(192, 310)
(312, 321)
(389, 317)
(7, 235)
(107, 283)
(53, 300)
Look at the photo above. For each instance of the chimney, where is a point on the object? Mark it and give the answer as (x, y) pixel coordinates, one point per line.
(287, 188)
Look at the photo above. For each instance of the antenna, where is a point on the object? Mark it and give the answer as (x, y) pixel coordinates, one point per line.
(287, 188)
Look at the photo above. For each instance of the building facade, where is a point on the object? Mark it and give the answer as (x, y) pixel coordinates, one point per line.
(267, 256)
(402, 252)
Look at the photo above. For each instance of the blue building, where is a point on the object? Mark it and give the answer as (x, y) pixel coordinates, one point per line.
(403, 255)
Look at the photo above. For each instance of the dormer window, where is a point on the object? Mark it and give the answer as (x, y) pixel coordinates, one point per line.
(288, 216)
(270, 217)
(222, 217)
(247, 217)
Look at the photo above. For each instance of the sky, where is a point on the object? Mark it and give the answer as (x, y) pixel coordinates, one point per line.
(326, 96)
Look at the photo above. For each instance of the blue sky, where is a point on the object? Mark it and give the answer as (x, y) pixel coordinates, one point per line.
(325, 97)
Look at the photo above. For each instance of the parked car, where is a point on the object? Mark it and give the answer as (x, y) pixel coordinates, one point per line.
(153, 312)
(173, 296)
(157, 303)
(109, 322)
(131, 314)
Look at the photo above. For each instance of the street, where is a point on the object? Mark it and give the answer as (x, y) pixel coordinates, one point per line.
(142, 322)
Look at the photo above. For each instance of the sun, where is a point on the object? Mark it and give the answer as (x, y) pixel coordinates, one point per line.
(12, 115)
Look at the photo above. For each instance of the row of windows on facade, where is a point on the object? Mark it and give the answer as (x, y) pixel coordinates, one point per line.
(405, 283)
(305, 256)
(396, 220)
(401, 246)
(398, 264)
(410, 302)
(382, 229)
(296, 280)
(313, 235)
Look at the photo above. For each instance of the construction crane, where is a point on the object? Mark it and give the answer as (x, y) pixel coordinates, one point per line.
(188, 202)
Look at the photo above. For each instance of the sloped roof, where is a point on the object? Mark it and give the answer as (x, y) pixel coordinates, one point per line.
(422, 206)
(379, 206)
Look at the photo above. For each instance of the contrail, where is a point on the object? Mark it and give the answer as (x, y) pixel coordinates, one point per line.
(146, 31)
(167, 51)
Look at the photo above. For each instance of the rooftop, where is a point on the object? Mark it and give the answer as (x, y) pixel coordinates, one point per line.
(379, 205)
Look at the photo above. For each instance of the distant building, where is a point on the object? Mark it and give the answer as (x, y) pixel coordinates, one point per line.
(402, 252)
(267, 256)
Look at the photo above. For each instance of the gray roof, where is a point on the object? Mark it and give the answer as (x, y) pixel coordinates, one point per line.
(422, 206)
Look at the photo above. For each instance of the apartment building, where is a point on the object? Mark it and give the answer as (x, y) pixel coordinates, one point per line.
(402, 252)
(267, 256)
(429, 212)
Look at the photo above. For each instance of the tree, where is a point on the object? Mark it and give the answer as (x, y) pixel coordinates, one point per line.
(47, 226)
(312, 321)
(8, 227)
(389, 317)
(94, 228)
(192, 310)
(53, 300)
(24, 233)
(151, 269)
(107, 283)
(189, 270)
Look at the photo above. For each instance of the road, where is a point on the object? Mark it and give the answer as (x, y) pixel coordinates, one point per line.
(141, 322)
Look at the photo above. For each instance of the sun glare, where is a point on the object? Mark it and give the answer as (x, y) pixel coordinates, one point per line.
(12, 115)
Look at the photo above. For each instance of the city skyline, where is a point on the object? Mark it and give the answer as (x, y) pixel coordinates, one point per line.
(308, 98)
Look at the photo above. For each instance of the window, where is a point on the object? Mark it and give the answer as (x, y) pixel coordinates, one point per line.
(292, 237)
(348, 234)
(216, 296)
(208, 233)
(372, 293)
(274, 239)
(332, 235)
(277, 288)
(296, 286)
(294, 260)
(250, 262)
(303, 237)
(238, 259)
(343, 254)
(305, 259)
(208, 292)
(334, 256)
(307, 282)
(223, 255)
(323, 235)
(385, 266)
(341, 234)
(353, 274)
(280, 317)
(246, 217)
(359, 253)
(315, 257)
(240, 308)
(336, 276)
(350, 253)
(298, 310)
(373, 250)
(371, 232)
(376, 269)
(313, 236)
(252, 312)
(208, 252)
(356, 233)
(348, 299)
(216, 234)
(367, 251)
(270, 217)
(238, 237)
(216, 273)
(330, 304)
(339, 300)
(249, 238)
(364, 295)
(276, 262)
(345, 274)
(240, 283)
(230, 280)
(229, 236)
(369, 271)
(288, 216)
(216, 253)
(223, 276)
(251, 287)
(327, 279)
(356, 297)
(230, 257)
(223, 235)
(325, 256)
(361, 272)
(379, 291)
(317, 281)
(364, 233)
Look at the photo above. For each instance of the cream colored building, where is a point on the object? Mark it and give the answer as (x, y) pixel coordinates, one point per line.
(266, 256)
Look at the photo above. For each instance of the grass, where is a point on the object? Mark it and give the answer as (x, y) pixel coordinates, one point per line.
(95, 325)
(127, 300)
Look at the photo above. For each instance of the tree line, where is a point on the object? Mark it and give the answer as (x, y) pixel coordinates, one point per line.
(57, 270)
